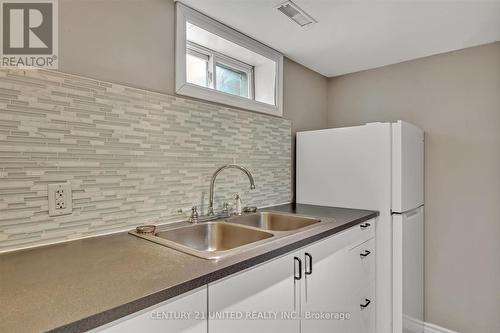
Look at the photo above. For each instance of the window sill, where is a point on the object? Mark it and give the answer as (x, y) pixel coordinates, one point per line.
(192, 90)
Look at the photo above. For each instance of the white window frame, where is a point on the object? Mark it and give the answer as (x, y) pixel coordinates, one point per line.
(186, 14)
(213, 58)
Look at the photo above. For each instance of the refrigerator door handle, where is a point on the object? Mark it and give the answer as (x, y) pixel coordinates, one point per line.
(411, 213)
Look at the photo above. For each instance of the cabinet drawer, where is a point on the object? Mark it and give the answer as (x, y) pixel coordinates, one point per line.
(363, 259)
(363, 286)
(347, 239)
(363, 309)
(362, 232)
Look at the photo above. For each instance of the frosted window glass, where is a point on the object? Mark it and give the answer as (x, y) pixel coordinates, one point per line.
(231, 81)
(196, 70)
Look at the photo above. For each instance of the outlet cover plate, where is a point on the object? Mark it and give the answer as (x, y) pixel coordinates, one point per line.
(60, 199)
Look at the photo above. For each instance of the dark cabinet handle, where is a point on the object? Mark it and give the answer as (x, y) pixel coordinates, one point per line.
(310, 270)
(366, 304)
(365, 225)
(299, 277)
(365, 254)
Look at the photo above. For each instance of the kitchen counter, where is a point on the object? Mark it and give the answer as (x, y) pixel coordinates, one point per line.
(83, 284)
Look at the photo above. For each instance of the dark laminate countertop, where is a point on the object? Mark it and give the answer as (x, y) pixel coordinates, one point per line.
(82, 284)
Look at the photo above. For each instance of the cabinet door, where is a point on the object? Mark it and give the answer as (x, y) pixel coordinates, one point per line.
(326, 291)
(237, 303)
(182, 314)
(334, 284)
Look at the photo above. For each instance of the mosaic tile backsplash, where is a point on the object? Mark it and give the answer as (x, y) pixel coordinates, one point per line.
(131, 156)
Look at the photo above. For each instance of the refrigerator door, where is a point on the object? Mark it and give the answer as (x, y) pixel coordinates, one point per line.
(408, 271)
(407, 167)
(351, 167)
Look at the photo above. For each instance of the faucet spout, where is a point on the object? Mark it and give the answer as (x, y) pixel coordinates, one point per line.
(214, 176)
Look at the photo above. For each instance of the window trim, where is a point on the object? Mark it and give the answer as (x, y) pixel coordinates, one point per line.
(186, 14)
(196, 53)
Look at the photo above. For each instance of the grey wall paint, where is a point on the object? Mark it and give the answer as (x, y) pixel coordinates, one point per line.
(305, 101)
(131, 42)
(455, 98)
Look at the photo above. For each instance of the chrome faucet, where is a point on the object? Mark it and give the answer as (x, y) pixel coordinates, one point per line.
(212, 183)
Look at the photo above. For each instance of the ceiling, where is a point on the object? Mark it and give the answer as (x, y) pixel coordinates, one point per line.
(354, 35)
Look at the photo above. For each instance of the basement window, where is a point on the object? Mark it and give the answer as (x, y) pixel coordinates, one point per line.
(219, 64)
(210, 69)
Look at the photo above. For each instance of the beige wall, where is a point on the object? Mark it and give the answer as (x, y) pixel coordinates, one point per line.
(305, 102)
(455, 98)
(305, 94)
(131, 42)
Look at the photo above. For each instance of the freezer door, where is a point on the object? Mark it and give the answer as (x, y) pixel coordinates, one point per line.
(407, 167)
(345, 167)
(408, 271)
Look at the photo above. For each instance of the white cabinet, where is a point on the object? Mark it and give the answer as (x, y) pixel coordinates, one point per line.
(340, 285)
(268, 289)
(329, 283)
(325, 291)
(182, 314)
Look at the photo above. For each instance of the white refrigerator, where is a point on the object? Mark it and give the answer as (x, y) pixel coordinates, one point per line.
(377, 166)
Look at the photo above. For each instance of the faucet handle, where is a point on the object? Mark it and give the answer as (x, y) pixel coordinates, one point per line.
(194, 215)
(251, 209)
(227, 208)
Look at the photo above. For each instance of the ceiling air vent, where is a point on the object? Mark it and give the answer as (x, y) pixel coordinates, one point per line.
(296, 14)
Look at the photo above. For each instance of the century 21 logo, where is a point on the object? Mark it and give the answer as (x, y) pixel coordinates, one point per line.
(27, 28)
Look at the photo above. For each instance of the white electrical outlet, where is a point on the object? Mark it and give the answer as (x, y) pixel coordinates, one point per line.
(60, 199)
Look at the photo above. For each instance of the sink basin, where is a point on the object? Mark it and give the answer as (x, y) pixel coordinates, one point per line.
(273, 221)
(209, 240)
(218, 239)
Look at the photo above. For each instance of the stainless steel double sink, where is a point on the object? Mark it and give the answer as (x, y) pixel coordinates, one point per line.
(229, 236)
